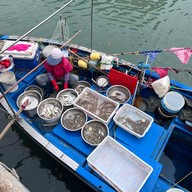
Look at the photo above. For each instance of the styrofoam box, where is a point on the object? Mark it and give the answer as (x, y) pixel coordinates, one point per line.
(121, 168)
(23, 59)
(135, 115)
(99, 100)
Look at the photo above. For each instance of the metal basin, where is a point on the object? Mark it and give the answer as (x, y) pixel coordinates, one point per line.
(119, 93)
(36, 88)
(67, 96)
(50, 110)
(73, 119)
(94, 131)
(34, 98)
(81, 86)
(102, 81)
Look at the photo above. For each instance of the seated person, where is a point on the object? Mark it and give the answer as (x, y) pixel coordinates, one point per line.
(58, 69)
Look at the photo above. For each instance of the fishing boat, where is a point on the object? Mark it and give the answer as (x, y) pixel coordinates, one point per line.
(114, 128)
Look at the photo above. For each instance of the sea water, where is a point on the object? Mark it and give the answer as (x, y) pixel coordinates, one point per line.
(176, 159)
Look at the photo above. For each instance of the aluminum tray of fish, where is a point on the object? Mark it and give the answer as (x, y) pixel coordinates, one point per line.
(133, 120)
(96, 105)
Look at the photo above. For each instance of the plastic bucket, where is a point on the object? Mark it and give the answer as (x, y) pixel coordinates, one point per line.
(161, 114)
(174, 190)
(8, 79)
(172, 102)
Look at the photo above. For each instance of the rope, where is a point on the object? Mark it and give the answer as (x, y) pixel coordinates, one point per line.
(181, 179)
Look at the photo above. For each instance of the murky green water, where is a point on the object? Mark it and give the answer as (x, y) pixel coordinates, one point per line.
(118, 26)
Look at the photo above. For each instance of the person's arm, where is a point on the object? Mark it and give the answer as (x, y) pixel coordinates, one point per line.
(53, 81)
(66, 81)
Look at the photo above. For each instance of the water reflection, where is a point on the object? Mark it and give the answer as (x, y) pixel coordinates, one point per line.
(136, 13)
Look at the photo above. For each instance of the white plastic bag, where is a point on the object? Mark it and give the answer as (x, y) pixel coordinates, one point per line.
(161, 86)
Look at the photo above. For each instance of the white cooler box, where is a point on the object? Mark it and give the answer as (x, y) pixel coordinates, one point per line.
(25, 54)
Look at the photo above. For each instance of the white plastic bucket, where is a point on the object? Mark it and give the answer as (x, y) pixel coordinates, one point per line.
(174, 190)
(173, 102)
(8, 79)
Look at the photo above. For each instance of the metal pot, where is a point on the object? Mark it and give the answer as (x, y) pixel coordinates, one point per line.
(81, 86)
(119, 93)
(73, 119)
(50, 110)
(102, 81)
(67, 96)
(94, 131)
(34, 98)
(36, 88)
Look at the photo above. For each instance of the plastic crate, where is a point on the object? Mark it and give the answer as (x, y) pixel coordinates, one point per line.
(122, 169)
(96, 105)
(133, 120)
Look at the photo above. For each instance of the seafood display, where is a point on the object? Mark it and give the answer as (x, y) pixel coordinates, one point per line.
(67, 96)
(73, 119)
(138, 126)
(94, 132)
(133, 120)
(97, 105)
(119, 93)
(81, 86)
(49, 111)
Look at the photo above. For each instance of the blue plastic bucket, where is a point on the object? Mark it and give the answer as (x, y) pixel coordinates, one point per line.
(172, 102)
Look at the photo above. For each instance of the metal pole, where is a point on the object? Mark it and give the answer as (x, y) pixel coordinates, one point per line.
(2, 51)
(91, 24)
(1, 91)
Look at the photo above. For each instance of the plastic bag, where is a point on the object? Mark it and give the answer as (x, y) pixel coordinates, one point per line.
(161, 86)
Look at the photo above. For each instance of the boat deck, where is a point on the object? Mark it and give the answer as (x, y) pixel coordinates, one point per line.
(149, 148)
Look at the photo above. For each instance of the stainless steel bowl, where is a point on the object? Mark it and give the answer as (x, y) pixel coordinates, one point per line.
(102, 81)
(50, 110)
(34, 99)
(119, 93)
(81, 86)
(94, 131)
(73, 119)
(67, 96)
(36, 88)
